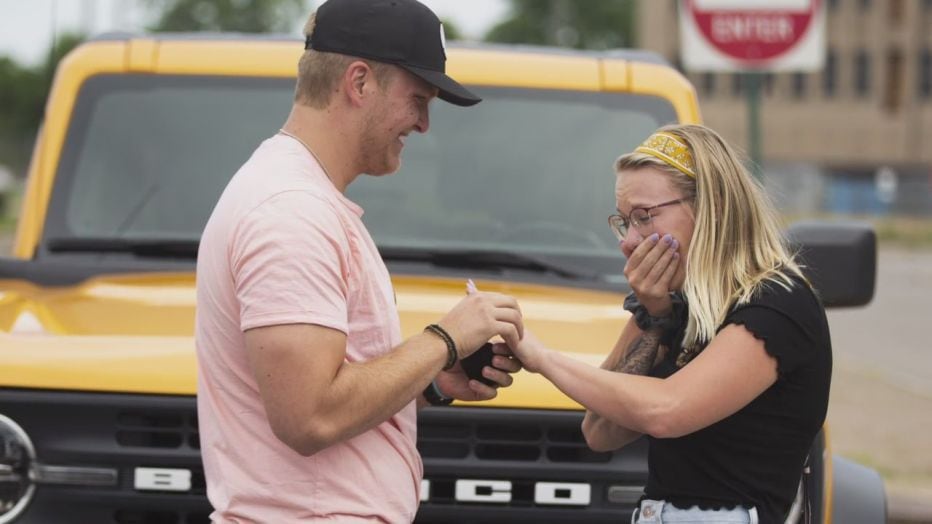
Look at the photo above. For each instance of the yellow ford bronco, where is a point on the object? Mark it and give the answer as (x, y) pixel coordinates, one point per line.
(98, 420)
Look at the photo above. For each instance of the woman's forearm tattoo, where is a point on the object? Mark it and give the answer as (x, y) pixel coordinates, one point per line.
(641, 354)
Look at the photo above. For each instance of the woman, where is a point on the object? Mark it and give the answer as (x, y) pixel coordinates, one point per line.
(726, 363)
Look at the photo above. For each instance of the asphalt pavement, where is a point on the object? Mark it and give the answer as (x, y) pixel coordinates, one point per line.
(880, 413)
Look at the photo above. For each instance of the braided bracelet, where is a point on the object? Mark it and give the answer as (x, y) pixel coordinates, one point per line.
(646, 322)
(448, 340)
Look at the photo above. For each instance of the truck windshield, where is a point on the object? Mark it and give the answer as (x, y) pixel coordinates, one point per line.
(526, 172)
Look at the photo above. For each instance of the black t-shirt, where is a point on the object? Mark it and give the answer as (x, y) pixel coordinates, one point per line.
(755, 456)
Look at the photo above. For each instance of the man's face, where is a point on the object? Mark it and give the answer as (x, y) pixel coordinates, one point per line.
(398, 109)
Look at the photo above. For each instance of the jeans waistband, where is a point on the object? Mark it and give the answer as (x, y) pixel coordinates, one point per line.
(661, 511)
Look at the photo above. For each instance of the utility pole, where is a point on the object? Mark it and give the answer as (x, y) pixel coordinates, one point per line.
(752, 84)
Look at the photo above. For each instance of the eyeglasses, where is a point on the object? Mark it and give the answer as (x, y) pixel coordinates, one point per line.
(640, 218)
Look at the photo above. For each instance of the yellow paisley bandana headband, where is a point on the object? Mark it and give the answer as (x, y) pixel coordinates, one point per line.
(671, 150)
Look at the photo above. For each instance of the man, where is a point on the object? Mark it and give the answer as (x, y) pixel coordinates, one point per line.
(307, 395)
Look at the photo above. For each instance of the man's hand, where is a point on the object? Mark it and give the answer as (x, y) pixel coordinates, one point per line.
(454, 383)
(480, 316)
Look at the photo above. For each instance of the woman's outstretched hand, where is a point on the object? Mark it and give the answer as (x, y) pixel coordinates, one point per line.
(530, 351)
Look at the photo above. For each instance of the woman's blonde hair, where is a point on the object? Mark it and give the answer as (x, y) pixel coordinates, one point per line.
(319, 72)
(737, 242)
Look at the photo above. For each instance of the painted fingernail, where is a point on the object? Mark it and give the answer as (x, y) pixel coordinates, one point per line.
(675, 244)
(667, 239)
(654, 237)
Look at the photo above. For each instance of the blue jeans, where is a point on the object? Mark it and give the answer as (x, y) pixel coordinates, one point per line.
(661, 512)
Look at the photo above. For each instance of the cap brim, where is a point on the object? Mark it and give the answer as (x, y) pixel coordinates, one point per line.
(450, 90)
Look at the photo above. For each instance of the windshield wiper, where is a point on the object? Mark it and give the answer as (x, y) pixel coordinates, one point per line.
(144, 248)
(483, 259)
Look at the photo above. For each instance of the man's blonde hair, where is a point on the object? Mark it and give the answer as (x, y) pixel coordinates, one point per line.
(737, 244)
(319, 72)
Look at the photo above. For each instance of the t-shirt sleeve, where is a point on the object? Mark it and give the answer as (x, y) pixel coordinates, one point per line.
(785, 320)
(289, 258)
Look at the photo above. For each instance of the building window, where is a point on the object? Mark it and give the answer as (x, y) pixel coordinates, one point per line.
(742, 82)
(893, 81)
(799, 85)
(829, 72)
(677, 63)
(708, 83)
(766, 83)
(895, 10)
(862, 74)
(925, 74)
(737, 84)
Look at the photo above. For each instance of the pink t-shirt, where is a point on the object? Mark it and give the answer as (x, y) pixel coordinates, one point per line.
(284, 246)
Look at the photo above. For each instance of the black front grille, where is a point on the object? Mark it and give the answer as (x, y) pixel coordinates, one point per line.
(525, 436)
(159, 517)
(120, 432)
(157, 429)
(523, 448)
(146, 517)
(125, 432)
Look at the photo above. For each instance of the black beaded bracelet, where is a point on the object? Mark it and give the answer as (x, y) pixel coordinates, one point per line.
(448, 340)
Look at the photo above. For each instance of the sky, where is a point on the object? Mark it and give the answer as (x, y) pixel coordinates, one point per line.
(27, 26)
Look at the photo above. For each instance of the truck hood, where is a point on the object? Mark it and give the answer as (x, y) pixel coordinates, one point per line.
(134, 333)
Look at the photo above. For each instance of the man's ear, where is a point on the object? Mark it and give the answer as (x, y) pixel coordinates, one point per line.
(357, 82)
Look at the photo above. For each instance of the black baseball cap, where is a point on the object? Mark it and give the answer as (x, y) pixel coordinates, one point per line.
(405, 33)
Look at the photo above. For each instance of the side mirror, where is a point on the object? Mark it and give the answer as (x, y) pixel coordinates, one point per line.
(840, 259)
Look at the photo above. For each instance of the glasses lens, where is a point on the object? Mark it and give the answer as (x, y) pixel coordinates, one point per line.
(619, 226)
(640, 217)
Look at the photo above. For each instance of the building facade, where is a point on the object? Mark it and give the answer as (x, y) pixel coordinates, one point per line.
(865, 116)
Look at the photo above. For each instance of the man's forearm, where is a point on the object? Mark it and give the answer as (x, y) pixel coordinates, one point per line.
(363, 395)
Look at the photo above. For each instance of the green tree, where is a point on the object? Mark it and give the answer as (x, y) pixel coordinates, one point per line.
(22, 101)
(244, 16)
(450, 30)
(602, 24)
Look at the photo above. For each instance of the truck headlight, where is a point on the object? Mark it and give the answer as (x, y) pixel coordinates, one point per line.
(17, 462)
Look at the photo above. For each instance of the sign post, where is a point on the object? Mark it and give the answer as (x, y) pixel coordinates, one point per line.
(752, 37)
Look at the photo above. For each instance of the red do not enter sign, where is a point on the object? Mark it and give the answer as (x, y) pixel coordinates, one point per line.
(752, 32)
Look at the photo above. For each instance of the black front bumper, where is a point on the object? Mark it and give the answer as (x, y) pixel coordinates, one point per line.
(481, 464)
